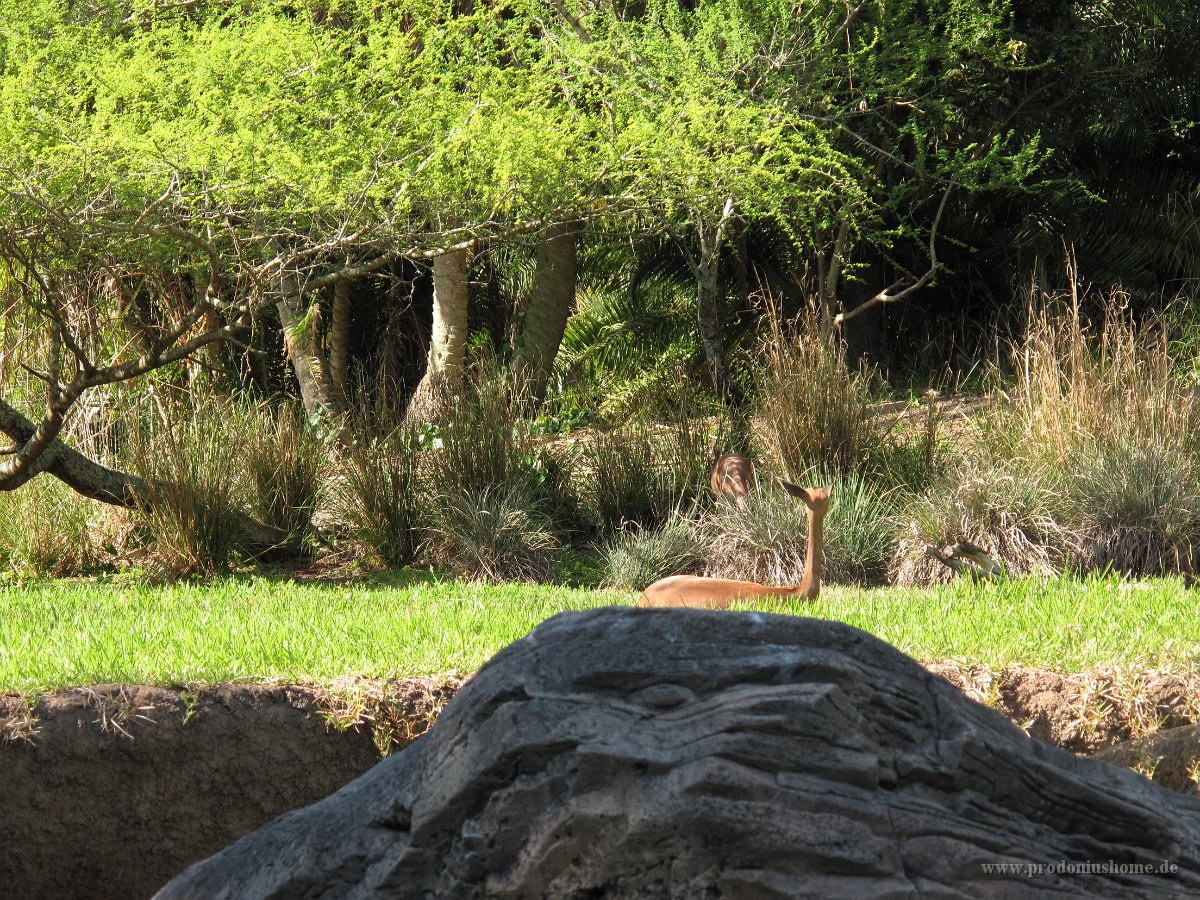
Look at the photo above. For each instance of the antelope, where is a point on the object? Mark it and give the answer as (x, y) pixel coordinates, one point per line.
(719, 593)
(732, 478)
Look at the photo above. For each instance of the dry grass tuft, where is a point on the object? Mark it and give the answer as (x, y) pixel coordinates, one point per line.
(115, 709)
(1010, 513)
(18, 720)
(815, 409)
(397, 711)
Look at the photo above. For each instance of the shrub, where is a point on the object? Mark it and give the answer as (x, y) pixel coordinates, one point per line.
(635, 557)
(183, 453)
(859, 530)
(48, 530)
(1085, 459)
(1077, 381)
(763, 541)
(494, 533)
(482, 444)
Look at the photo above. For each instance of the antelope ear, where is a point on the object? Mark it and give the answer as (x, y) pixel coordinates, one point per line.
(795, 491)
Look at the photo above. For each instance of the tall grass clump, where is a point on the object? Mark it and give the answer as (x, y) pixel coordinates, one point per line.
(49, 531)
(376, 492)
(1009, 506)
(497, 533)
(1099, 402)
(643, 475)
(480, 441)
(284, 461)
(185, 452)
(1086, 457)
(634, 557)
(1136, 506)
(813, 408)
(492, 489)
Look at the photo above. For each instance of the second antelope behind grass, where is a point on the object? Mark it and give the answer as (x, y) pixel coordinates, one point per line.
(732, 478)
(719, 593)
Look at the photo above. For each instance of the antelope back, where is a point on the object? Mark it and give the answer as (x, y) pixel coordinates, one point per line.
(732, 478)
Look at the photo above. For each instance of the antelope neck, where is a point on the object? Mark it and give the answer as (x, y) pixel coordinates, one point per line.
(813, 555)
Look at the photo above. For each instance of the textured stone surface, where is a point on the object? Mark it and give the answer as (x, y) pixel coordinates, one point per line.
(688, 753)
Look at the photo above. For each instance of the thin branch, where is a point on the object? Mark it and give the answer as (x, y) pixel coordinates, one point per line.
(886, 295)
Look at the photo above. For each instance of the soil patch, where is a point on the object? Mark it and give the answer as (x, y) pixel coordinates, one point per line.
(1084, 713)
(111, 791)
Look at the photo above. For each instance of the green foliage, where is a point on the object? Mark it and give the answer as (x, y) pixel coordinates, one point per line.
(631, 340)
(301, 117)
(49, 531)
(636, 557)
(496, 533)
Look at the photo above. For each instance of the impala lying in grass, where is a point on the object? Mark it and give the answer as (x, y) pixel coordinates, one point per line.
(719, 593)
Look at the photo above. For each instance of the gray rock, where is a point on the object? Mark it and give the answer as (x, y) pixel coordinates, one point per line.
(688, 753)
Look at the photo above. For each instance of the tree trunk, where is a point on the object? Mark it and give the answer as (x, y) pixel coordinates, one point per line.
(322, 400)
(550, 303)
(708, 318)
(448, 342)
(304, 364)
(339, 339)
(119, 488)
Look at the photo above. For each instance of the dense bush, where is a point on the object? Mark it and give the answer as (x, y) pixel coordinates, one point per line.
(495, 533)
(635, 557)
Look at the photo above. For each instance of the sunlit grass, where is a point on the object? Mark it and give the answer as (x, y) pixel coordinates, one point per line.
(55, 634)
(1063, 624)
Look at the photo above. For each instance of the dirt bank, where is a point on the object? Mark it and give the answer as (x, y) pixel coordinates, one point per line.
(108, 792)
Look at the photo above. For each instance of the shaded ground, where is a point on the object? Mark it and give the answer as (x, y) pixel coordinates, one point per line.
(110, 791)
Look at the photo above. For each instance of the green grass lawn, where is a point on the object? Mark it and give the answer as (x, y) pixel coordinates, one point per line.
(63, 633)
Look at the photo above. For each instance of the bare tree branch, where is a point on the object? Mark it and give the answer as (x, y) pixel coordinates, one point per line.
(886, 295)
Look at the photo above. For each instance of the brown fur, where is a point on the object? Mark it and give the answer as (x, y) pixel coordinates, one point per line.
(719, 593)
(732, 478)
